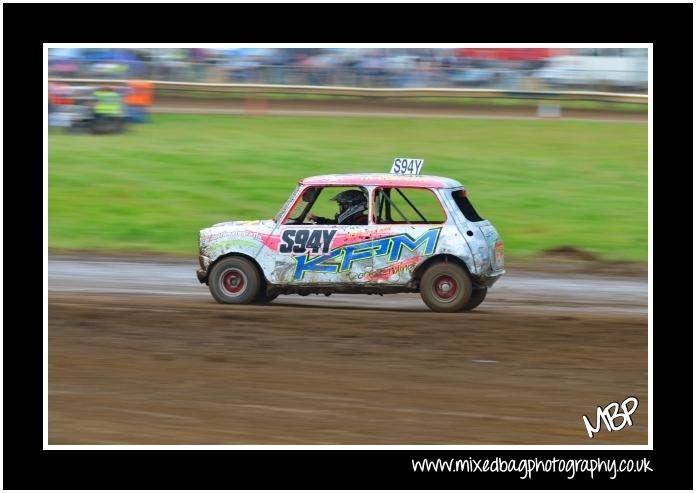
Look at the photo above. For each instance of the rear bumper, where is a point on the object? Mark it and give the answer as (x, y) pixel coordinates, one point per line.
(490, 279)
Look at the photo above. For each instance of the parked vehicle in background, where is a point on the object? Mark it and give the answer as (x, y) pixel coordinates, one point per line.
(626, 70)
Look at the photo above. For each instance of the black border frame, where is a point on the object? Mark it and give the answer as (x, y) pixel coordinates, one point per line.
(27, 26)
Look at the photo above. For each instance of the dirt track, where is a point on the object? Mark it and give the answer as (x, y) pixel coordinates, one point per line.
(375, 108)
(181, 369)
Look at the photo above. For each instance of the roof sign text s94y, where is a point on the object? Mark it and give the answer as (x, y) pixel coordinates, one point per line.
(406, 166)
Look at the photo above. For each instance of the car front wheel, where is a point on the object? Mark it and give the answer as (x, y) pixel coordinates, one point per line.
(234, 280)
(445, 287)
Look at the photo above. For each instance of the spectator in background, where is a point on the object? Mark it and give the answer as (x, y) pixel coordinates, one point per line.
(108, 110)
(138, 100)
(59, 100)
(198, 57)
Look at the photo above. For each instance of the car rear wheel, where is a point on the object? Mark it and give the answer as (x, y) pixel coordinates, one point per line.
(477, 297)
(445, 287)
(234, 280)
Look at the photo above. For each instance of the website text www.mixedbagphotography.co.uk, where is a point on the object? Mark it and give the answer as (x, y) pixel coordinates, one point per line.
(527, 467)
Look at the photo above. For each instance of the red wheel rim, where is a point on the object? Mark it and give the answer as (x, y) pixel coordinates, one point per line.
(233, 281)
(445, 287)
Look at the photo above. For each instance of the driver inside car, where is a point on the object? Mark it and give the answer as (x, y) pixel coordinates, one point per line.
(352, 209)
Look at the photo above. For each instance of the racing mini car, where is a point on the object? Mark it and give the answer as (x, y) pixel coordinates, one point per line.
(371, 233)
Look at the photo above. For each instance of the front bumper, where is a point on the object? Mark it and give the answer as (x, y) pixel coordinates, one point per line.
(202, 273)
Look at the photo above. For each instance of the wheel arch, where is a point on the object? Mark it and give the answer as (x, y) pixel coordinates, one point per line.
(435, 259)
(253, 261)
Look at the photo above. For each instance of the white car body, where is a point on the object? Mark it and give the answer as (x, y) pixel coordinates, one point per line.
(369, 258)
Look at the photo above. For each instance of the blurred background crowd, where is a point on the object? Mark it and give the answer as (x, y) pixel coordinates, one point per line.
(606, 69)
(99, 109)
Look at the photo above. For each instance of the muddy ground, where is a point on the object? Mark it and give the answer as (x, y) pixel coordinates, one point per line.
(129, 369)
(373, 107)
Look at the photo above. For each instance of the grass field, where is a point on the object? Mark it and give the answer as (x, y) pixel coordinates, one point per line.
(544, 184)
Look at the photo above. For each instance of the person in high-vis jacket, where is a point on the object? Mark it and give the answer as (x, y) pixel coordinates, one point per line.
(108, 102)
(108, 110)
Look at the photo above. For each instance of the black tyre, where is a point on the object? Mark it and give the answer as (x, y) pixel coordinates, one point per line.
(445, 287)
(263, 297)
(234, 280)
(477, 297)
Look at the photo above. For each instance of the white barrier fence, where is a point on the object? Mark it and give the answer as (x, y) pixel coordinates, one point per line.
(376, 92)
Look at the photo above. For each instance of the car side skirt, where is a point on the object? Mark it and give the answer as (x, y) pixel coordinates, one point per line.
(345, 288)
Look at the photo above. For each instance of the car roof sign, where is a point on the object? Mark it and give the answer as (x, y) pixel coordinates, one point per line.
(406, 166)
(381, 180)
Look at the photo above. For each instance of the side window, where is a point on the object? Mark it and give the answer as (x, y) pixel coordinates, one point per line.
(465, 206)
(407, 206)
(330, 205)
(326, 206)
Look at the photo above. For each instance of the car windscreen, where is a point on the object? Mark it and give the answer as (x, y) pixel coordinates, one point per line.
(287, 204)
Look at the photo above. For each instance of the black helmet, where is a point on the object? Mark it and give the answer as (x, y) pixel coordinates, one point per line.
(350, 202)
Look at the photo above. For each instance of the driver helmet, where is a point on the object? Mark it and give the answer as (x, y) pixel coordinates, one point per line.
(350, 203)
